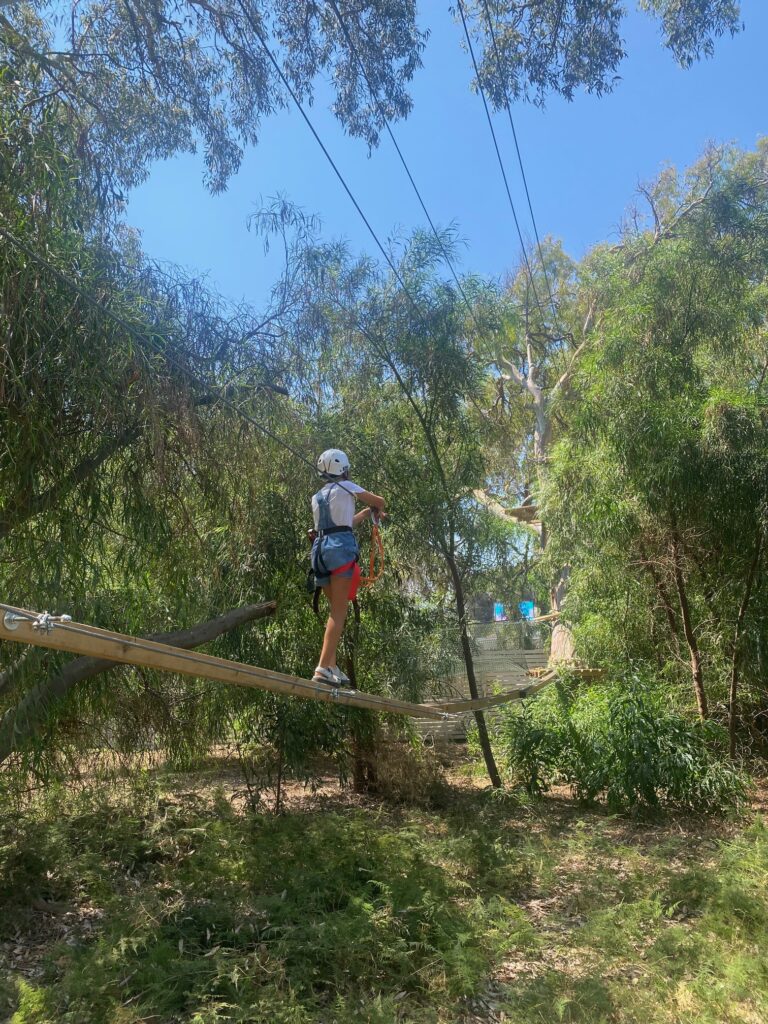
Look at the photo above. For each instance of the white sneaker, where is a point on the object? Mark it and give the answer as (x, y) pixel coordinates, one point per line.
(325, 675)
(340, 677)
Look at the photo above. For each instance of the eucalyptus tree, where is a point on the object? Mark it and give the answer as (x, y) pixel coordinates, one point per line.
(400, 366)
(119, 382)
(561, 46)
(531, 336)
(155, 470)
(143, 80)
(662, 473)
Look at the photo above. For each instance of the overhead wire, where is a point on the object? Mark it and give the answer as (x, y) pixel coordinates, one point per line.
(520, 162)
(292, 93)
(498, 156)
(446, 255)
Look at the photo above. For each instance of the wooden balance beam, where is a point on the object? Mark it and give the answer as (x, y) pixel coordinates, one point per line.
(26, 627)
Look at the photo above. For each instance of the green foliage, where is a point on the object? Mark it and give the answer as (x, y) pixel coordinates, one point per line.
(256, 918)
(141, 82)
(556, 47)
(132, 499)
(183, 908)
(621, 743)
(144, 82)
(656, 493)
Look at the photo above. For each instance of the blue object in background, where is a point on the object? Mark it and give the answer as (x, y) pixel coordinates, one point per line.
(527, 609)
(498, 612)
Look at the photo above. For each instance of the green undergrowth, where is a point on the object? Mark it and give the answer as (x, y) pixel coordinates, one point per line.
(620, 743)
(176, 907)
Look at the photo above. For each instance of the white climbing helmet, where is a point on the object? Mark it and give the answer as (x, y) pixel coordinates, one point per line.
(333, 463)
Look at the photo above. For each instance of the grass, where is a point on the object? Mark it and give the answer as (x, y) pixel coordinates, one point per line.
(176, 907)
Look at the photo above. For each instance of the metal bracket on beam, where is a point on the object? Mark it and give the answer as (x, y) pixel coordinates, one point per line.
(45, 621)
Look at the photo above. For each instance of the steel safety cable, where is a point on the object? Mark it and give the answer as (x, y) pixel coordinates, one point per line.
(292, 93)
(498, 155)
(520, 163)
(446, 255)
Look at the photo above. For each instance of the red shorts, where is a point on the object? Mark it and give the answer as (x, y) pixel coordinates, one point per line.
(354, 572)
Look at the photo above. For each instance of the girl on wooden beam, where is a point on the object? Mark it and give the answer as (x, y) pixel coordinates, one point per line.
(335, 552)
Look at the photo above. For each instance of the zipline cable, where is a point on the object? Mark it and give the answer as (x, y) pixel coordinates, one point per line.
(520, 162)
(289, 88)
(291, 91)
(446, 255)
(498, 155)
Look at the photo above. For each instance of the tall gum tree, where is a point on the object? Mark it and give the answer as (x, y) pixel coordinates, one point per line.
(537, 333)
(398, 362)
(142, 80)
(662, 473)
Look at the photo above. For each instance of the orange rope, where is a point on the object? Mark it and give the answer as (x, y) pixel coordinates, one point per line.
(377, 551)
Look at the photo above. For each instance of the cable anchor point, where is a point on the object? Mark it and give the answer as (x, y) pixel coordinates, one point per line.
(45, 621)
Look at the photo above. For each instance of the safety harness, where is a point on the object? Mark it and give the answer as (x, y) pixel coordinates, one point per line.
(375, 562)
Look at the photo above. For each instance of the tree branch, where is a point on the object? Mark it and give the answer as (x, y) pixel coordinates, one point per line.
(493, 506)
(29, 504)
(8, 675)
(25, 718)
(513, 371)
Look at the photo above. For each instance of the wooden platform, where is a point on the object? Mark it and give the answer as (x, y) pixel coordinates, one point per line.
(524, 513)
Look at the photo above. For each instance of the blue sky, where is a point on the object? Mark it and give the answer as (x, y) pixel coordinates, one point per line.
(583, 159)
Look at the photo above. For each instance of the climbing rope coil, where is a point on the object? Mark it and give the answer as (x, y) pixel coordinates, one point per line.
(376, 560)
(60, 632)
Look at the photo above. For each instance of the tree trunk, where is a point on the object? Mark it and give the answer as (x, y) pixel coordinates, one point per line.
(363, 739)
(735, 657)
(690, 636)
(661, 590)
(28, 505)
(466, 647)
(542, 435)
(280, 764)
(8, 675)
(24, 719)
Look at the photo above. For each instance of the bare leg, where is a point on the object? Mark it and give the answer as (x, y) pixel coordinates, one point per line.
(337, 593)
